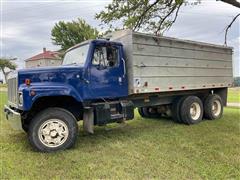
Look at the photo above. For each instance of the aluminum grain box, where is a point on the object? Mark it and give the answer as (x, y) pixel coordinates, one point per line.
(160, 64)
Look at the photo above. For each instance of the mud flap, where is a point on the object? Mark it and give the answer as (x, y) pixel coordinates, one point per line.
(88, 120)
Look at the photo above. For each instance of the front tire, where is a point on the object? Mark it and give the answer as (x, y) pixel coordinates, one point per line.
(53, 129)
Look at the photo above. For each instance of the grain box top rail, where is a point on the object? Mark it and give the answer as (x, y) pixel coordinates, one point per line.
(118, 34)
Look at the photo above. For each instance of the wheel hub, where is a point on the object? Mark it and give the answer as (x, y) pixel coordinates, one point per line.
(53, 133)
(216, 108)
(195, 111)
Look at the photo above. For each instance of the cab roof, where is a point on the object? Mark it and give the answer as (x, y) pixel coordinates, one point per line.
(93, 41)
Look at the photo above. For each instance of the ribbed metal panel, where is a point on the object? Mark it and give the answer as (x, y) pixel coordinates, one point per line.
(161, 64)
(12, 90)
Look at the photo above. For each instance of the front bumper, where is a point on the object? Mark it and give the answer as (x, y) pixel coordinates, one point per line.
(13, 117)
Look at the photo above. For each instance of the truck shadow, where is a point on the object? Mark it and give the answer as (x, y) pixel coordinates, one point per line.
(132, 129)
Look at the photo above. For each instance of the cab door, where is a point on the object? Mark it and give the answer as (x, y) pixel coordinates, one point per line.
(107, 72)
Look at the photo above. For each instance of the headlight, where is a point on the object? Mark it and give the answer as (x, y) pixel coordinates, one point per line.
(20, 98)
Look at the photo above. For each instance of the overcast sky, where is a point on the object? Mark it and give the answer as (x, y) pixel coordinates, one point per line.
(26, 25)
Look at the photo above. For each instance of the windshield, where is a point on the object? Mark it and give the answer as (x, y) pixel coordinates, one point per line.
(76, 56)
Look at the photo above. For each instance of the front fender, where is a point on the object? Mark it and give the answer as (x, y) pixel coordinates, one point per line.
(37, 90)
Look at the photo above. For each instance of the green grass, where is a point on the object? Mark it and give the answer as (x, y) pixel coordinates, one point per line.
(3, 85)
(234, 95)
(143, 149)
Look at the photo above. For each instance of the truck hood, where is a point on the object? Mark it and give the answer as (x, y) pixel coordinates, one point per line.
(48, 69)
(60, 74)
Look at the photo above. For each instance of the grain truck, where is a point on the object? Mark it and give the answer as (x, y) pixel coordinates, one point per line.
(102, 81)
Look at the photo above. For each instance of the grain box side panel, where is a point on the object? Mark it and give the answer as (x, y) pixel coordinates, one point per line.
(153, 51)
(180, 83)
(181, 62)
(168, 64)
(157, 71)
(162, 41)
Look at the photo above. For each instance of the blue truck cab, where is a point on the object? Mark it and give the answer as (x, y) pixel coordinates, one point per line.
(92, 73)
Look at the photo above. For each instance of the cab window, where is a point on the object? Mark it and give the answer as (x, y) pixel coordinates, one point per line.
(105, 56)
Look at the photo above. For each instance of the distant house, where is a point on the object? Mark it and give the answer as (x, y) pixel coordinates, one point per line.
(46, 58)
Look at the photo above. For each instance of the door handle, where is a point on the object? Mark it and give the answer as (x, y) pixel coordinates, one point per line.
(86, 81)
(120, 80)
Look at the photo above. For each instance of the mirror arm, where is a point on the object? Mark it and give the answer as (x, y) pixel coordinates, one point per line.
(82, 77)
(124, 67)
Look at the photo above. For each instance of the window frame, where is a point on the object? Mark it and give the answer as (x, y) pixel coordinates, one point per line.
(117, 64)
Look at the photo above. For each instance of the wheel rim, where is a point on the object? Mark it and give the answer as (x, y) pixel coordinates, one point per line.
(53, 133)
(195, 111)
(216, 108)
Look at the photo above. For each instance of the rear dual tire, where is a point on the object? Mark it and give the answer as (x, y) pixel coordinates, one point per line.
(176, 106)
(187, 110)
(213, 107)
(191, 110)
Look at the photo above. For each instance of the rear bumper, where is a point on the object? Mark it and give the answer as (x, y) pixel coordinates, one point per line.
(13, 117)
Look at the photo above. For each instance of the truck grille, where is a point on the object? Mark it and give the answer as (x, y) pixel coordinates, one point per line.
(12, 90)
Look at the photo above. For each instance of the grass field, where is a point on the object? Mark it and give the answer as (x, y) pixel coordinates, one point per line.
(143, 149)
(3, 85)
(234, 95)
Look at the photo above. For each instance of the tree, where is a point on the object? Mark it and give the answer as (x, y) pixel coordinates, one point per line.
(5, 63)
(155, 16)
(232, 2)
(68, 34)
(236, 4)
(147, 15)
(228, 27)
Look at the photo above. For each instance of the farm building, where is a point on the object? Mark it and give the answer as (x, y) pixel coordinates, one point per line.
(46, 58)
